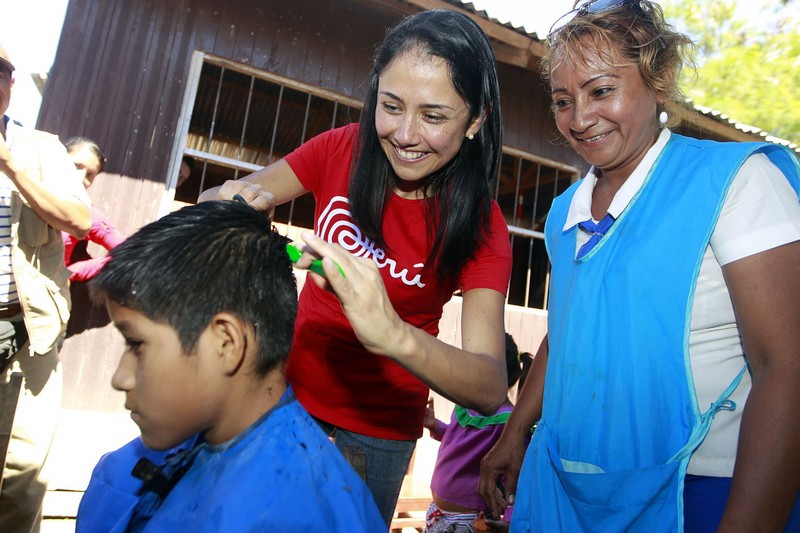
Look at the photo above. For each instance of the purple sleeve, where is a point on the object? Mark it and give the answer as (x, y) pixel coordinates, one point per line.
(441, 427)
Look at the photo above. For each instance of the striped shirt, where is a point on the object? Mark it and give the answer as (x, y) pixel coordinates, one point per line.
(8, 287)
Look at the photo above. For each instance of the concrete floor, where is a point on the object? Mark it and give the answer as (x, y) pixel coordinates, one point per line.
(82, 438)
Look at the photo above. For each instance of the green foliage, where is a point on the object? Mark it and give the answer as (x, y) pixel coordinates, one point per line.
(747, 68)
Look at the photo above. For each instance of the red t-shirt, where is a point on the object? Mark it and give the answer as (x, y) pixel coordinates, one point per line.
(333, 376)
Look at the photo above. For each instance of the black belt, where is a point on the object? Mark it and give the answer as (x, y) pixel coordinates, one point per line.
(10, 310)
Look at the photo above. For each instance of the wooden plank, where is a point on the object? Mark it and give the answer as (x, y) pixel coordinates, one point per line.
(404, 517)
(103, 87)
(398, 524)
(405, 505)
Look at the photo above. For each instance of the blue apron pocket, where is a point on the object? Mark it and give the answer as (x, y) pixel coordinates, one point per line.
(642, 499)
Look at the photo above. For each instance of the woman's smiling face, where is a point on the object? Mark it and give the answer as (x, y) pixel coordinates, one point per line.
(604, 109)
(420, 119)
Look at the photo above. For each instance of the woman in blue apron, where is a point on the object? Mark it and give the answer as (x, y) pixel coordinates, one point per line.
(672, 361)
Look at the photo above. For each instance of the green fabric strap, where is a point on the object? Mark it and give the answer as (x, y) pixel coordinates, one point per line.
(467, 420)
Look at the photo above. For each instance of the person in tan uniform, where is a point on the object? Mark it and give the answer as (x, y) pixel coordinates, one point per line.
(40, 196)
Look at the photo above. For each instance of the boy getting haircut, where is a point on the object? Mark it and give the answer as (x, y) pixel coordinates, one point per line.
(206, 300)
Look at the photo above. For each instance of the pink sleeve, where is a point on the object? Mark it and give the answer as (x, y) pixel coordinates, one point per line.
(86, 270)
(103, 231)
(69, 245)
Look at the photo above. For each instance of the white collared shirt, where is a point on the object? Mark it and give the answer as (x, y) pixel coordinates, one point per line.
(581, 207)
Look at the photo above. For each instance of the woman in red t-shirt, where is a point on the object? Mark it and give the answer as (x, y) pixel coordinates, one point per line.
(404, 208)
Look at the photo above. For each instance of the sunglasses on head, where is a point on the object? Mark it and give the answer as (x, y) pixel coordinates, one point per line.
(641, 7)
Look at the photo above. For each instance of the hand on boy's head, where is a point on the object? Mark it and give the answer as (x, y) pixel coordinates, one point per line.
(255, 195)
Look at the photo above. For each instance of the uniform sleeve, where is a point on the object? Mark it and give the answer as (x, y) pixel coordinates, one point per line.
(491, 266)
(761, 212)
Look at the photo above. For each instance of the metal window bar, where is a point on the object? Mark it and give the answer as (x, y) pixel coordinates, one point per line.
(517, 179)
(306, 115)
(547, 277)
(528, 275)
(211, 130)
(244, 124)
(275, 125)
(333, 115)
(531, 274)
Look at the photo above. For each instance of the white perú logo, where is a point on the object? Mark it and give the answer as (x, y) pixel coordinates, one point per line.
(336, 226)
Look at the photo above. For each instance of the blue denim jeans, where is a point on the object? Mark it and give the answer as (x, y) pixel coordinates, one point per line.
(387, 464)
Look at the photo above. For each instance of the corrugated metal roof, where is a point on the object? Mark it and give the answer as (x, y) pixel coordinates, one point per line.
(711, 113)
(714, 114)
(723, 118)
(469, 6)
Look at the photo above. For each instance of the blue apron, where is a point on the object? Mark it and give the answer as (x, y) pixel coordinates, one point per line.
(620, 418)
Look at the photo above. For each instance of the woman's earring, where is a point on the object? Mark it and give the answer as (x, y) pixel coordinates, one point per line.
(470, 136)
(663, 117)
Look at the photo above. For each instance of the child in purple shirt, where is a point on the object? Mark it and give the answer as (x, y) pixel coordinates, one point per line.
(469, 436)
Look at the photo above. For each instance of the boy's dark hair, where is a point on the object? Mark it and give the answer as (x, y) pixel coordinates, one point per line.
(213, 257)
(460, 194)
(513, 367)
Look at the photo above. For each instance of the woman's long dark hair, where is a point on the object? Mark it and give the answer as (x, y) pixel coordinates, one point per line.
(459, 195)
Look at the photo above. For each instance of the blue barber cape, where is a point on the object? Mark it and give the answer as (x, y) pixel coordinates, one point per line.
(281, 474)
